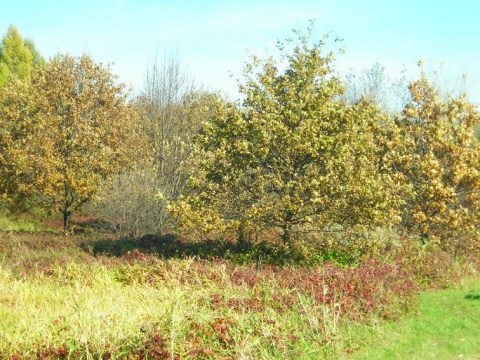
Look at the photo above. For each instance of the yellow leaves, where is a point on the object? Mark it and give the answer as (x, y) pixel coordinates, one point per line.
(292, 149)
(74, 131)
(419, 217)
(438, 163)
(435, 240)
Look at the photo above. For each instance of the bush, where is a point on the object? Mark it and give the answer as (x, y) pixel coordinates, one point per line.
(128, 204)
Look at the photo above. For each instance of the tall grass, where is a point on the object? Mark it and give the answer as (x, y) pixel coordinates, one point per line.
(58, 301)
(61, 299)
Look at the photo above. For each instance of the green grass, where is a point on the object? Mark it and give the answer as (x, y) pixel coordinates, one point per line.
(57, 300)
(31, 221)
(447, 327)
(16, 225)
(61, 297)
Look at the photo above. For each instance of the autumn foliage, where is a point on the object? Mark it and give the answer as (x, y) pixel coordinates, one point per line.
(439, 159)
(299, 154)
(63, 132)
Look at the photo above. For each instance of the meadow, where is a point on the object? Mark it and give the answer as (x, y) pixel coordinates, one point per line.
(93, 295)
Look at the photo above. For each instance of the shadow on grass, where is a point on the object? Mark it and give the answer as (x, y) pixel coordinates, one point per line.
(472, 297)
(169, 246)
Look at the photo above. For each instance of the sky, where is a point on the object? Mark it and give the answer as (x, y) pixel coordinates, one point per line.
(213, 39)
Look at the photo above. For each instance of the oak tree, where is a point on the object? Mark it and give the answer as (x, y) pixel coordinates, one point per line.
(292, 154)
(63, 133)
(440, 161)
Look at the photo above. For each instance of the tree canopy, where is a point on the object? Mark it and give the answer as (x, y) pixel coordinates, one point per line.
(292, 154)
(17, 56)
(439, 157)
(63, 133)
(304, 150)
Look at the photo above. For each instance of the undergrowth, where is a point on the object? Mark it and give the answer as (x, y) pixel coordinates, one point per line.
(163, 298)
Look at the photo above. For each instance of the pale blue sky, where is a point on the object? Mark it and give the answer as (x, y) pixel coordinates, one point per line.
(211, 37)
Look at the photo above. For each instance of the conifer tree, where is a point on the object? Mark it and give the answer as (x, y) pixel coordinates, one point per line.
(17, 56)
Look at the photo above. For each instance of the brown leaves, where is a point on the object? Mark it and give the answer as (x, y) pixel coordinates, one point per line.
(440, 163)
(66, 132)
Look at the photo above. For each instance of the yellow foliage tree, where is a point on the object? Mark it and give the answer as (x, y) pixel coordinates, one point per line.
(293, 154)
(440, 162)
(63, 133)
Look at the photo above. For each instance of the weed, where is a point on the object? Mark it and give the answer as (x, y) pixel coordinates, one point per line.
(58, 300)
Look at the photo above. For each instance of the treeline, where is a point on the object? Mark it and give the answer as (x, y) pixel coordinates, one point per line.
(304, 152)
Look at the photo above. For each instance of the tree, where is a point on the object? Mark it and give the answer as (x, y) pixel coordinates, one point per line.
(292, 154)
(171, 110)
(63, 133)
(440, 161)
(164, 104)
(37, 59)
(376, 86)
(17, 56)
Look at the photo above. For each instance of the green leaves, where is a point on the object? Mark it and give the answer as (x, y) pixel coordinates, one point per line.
(292, 153)
(17, 56)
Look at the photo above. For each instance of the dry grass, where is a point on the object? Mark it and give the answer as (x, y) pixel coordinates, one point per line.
(59, 300)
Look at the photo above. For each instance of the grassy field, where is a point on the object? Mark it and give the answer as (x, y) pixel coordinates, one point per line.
(94, 297)
(446, 328)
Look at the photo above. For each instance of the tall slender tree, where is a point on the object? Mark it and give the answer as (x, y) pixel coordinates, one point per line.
(17, 56)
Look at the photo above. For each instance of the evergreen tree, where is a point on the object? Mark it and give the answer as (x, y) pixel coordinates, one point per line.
(17, 56)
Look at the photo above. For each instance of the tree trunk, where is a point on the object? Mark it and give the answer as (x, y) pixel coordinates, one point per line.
(66, 220)
(424, 237)
(287, 228)
(242, 234)
(287, 233)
